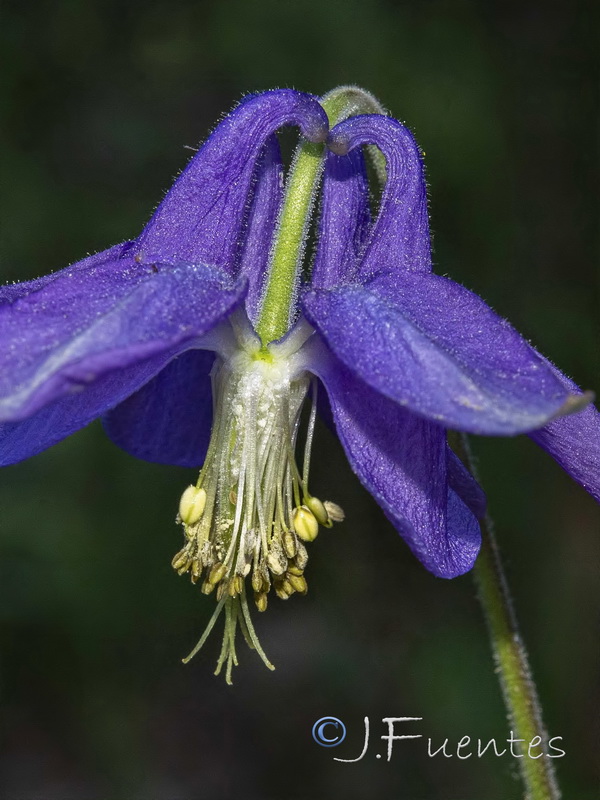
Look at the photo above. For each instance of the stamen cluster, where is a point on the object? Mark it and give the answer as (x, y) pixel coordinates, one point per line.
(250, 513)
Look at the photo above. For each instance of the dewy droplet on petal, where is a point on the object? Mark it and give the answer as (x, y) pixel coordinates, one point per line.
(247, 517)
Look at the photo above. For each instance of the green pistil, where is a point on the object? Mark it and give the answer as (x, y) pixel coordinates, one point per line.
(288, 248)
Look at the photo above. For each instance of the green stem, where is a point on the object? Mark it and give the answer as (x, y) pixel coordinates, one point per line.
(289, 244)
(512, 665)
(288, 248)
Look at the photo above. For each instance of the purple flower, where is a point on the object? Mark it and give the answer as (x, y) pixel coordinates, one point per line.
(156, 336)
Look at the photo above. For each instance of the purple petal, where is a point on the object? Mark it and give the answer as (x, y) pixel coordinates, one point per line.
(401, 459)
(438, 349)
(344, 220)
(262, 221)
(399, 238)
(169, 419)
(200, 221)
(574, 441)
(85, 323)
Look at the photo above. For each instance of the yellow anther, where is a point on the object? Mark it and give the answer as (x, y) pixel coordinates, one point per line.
(221, 589)
(207, 587)
(318, 509)
(334, 512)
(196, 568)
(180, 559)
(301, 558)
(260, 598)
(184, 568)
(277, 563)
(217, 573)
(257, 581)
(281, 593)
(299, 583)
(294, 570)
(289, 544)
(191, 505)
(305, 524)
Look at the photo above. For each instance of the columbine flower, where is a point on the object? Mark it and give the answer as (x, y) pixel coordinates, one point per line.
(158, 336)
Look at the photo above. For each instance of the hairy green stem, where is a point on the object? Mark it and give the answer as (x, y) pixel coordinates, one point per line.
(512, 665)
(288, 248)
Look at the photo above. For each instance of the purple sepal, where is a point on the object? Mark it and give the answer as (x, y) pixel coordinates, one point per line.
(464, 484)
(59, 419)
(574, 441)
(438, 350)
(401, 460)
(9, 292)
(61, 339)
(168, 420)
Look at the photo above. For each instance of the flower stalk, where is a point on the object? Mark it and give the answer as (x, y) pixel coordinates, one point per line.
(512, 664)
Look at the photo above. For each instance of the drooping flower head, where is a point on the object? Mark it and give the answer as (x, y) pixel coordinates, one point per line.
(198, 344)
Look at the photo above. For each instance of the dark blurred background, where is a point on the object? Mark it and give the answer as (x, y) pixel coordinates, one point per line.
(98, 101)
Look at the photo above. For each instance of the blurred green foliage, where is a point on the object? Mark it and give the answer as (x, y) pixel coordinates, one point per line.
(98, 100)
